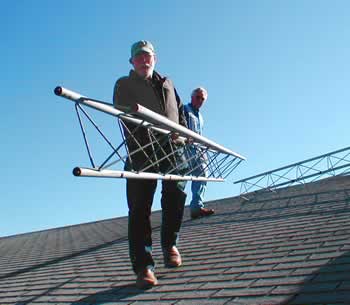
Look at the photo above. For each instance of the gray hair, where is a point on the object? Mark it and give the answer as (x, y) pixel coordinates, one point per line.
(199, 89)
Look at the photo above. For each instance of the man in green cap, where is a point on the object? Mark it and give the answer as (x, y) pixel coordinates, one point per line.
(145, 86)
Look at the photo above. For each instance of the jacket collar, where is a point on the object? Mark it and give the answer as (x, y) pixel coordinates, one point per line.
(155, 77)
(193, 108)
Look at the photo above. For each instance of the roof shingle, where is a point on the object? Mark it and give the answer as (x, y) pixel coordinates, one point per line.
(288, 247)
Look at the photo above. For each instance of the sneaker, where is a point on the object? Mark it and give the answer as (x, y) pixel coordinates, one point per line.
(146, 279)
(172, 257)
(201, 212)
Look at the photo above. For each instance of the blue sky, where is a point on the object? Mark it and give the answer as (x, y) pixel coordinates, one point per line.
(277, 74)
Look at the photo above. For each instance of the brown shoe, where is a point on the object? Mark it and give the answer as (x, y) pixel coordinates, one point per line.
(201, 212)
(146, 279)
(172, 257)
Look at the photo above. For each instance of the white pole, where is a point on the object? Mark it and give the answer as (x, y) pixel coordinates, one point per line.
(146, 114)
(155, 117)
(88, 172)
(78, 98)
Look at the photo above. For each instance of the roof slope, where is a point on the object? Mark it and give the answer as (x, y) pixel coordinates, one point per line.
(289, 247)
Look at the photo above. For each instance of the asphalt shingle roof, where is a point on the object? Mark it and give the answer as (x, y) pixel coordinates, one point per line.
(289, 247)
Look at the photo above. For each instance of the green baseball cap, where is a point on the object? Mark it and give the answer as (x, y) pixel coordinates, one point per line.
(142, 46)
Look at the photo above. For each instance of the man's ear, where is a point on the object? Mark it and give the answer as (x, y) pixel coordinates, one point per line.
(155, 58)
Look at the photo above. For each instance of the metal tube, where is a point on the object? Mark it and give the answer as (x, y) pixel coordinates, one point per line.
(294, 164)
(155, 117)
(88, 172)
(146, 113)
(104, 107)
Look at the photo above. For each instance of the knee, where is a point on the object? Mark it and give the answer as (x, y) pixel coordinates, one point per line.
(139, 211)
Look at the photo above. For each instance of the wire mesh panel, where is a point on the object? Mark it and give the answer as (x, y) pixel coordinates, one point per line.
(149, 145)
(330, 164)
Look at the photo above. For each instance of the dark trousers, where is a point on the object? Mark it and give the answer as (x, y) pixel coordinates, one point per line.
(140, 195)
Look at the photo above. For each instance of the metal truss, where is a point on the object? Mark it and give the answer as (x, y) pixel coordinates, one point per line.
(330, 164)
(170, 151)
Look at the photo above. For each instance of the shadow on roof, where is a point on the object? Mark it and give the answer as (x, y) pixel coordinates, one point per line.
(31, 299)
(326, 285)
(118, 293)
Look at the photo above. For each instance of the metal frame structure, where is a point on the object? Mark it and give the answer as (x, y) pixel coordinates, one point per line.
(190, 155)
(331, 164)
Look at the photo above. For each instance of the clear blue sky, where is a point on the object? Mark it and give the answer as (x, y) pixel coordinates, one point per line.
(277, 74)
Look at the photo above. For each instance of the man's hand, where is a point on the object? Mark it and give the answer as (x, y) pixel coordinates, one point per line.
(177, 140)
(189, 141)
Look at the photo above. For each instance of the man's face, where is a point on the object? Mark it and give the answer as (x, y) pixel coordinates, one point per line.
(198, 99)
(144, 64)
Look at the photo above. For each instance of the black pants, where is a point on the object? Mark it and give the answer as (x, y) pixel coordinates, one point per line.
(140, 195)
